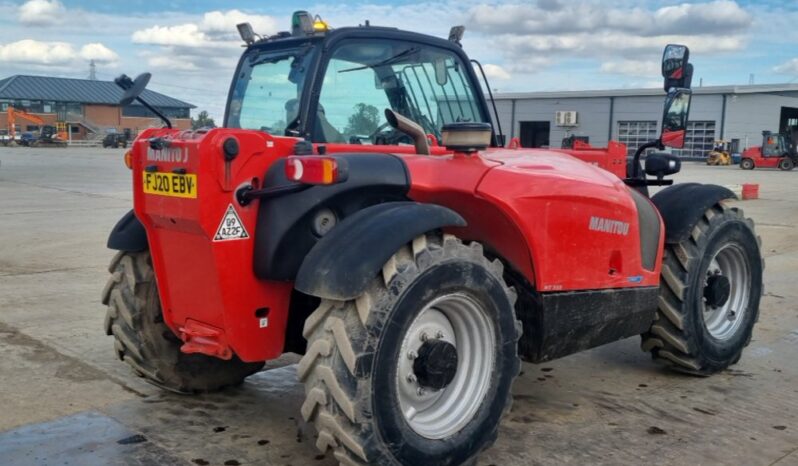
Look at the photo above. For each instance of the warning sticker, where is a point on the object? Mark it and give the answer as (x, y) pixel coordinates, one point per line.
(231, 227)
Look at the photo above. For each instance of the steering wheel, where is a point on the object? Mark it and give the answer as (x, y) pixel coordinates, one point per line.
(373, 136)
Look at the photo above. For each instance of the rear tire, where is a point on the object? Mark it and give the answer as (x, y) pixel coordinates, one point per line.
(747, 164)
(364, 391)
(786, 164)
(709, 294)
(147, 344)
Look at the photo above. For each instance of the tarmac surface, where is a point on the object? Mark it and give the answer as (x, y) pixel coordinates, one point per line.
(66, 399)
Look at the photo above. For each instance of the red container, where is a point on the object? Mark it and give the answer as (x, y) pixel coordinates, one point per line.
(750, 191)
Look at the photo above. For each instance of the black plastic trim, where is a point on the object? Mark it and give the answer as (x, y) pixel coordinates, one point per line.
(563, 323)
(682, 206)
(128, 235)
(343, 262)
(284, 234)
(649, 226)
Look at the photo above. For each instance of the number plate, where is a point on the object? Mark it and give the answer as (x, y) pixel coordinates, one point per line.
(170, 184)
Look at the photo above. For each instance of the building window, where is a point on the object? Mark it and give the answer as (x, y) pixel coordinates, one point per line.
(142, 112)
(636, 133)
(699, 140)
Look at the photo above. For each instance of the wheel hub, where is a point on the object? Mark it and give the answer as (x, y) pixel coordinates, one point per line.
(436, 364)
(717, 291)
(445, 365)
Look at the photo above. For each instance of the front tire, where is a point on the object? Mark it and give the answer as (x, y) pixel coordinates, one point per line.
(147, 344)
(709, 294)
(786, 164)
(382, 382)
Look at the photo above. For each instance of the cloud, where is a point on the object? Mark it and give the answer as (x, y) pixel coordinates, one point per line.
(33, 52)
(216, 28)
(98, 52)
(165, 62)
(30, 51)
(589, 29)
(223, 23)
(552, 17)
(496, 72)
(187, 35)
(41, 12)
(788, 67)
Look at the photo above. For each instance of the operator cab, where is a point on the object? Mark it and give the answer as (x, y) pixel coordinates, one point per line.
(333, 86)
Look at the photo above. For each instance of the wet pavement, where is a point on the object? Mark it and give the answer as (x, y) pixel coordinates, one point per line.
(65, 399)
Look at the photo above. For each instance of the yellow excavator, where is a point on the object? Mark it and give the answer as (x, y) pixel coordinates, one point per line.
(720, 154)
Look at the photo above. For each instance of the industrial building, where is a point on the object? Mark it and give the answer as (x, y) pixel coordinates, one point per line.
(737, 114)
(87, 109)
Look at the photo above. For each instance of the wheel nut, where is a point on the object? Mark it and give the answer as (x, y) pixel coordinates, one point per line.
(439, 335)
(424, 336)
(421, 391)
(411, 378)
(412, 355)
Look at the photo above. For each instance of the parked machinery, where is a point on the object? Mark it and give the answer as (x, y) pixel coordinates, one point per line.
(720, 154)
(410, 257)
(777, 151)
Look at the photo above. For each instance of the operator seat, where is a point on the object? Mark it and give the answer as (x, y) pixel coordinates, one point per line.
(323, 131)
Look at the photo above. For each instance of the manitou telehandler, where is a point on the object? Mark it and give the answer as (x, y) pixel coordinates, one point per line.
(358, 208)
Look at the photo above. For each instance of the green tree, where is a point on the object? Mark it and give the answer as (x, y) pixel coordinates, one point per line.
(364, 121)
(203, 120)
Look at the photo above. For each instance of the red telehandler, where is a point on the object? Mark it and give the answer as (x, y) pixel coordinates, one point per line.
(358, 207)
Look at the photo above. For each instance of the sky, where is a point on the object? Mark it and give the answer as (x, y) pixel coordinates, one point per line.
(191, 47)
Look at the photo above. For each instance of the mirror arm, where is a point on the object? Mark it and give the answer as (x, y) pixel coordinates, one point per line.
(156, 112)
(655, 144)
(497, 135)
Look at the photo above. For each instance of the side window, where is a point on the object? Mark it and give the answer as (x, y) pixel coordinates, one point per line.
(270, 98)
(352, 104)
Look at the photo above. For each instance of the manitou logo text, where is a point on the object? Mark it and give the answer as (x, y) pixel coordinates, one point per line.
(174, 155)
(609, 226)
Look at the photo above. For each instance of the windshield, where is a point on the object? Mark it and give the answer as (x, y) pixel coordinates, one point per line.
(267, 91)
(429, 85)
(363, 77)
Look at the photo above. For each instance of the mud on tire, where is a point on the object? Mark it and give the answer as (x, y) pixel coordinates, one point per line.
(686, 334)
(350, 370)
(147, 344)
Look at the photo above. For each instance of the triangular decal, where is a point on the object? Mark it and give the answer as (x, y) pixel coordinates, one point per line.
(231, 227)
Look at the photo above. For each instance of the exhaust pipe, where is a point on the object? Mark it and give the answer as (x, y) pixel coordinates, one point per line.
(410, 128)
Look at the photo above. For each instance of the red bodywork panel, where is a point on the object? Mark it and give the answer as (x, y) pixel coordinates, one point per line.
(755, 154)
(562, 223)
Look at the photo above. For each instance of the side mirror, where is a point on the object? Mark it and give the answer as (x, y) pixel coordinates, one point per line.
(661, 164)
(133, 88)
(676, 69)
(674, 117)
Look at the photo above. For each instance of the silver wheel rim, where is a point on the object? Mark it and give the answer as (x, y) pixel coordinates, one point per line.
(461, 321)
(722, 322)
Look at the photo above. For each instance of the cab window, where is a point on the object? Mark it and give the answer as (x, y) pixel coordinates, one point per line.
(429, 85)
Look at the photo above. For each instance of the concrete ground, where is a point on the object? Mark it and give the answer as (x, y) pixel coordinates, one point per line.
(66, 399)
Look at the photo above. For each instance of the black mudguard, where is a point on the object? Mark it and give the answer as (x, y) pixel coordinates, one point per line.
(343, 262)
(681, 207)
(128, 235)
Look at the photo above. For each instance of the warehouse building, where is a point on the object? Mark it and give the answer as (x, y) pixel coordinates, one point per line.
(737, 114)
(87, 109)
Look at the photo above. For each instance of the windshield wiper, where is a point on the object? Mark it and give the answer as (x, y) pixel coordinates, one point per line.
(387, 61)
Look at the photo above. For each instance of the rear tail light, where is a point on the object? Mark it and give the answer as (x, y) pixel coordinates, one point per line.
(129, 159)
(315, 170)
